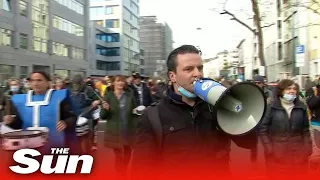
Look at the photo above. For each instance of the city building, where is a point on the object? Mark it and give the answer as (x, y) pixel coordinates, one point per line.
(156, 41)
(119, 53)
(48, 35)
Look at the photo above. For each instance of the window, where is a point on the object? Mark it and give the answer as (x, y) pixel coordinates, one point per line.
(39, 44)
(114, 37)
(279, 29)
(104, 51)
(5, 5)
(99, 22)
(23, 7)
(65, 25)
(108, 66)
(110, 9)
(72, 4)
(77, 53)
(40, 16)
(6, 72)
(40, 30)
(5, 37)
(23, 72)
(23, 41)
(96, 11)
(59, 49)
(112, 23)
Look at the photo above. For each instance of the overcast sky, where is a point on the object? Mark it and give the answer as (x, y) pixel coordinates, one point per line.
(185, 16)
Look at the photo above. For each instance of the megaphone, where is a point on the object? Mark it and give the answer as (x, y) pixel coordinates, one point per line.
(240, 107)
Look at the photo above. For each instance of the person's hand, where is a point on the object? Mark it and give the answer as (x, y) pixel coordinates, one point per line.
(8, 119)
(105, 105)
(134, 111)
(61, 125)
(95, 103)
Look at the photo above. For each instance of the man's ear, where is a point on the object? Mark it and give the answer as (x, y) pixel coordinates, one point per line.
(172, 76)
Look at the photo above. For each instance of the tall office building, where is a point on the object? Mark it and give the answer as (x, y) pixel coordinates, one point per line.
(48, 35)
(156, 41)
(118, 49)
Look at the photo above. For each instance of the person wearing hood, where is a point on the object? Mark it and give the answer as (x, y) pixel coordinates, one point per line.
(82, 97)
(285, 133)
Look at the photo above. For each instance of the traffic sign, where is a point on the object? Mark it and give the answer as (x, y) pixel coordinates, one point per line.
(300, 55)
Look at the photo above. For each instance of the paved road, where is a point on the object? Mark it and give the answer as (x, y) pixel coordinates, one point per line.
(240, 158)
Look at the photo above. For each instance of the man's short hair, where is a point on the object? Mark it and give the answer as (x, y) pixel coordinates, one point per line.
(172, 58)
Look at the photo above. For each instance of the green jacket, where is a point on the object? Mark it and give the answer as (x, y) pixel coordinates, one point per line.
(113, 128)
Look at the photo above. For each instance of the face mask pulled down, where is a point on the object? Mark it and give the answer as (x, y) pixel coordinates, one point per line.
(185, 92)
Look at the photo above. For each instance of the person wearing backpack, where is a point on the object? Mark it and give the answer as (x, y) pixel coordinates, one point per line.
(83, 97)
(178, 137)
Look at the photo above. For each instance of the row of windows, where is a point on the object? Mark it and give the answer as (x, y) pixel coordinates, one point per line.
(103, 10)
(131, 16)
(114, 37)
(40, 30)
(67, 26)
(39, 44)
(131, 67)
(108, 51)
(108, 66)
(72, 4)
(23, 8)
(128, 29)
(130, 42)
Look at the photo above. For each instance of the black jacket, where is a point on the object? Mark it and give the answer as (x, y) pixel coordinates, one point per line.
(147, 100)
(192, 142)
(286, 140)
(313, 103)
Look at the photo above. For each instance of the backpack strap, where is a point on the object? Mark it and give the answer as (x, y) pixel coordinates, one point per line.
(154, 118)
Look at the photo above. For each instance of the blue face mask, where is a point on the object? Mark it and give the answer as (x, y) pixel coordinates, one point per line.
(289, 97)
(14, 88)
(186, 93)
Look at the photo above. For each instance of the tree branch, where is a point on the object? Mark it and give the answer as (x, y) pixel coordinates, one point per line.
(268, 25)
(238, 20)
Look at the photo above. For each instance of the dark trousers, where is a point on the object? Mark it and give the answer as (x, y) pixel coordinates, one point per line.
(122, 159)
(94, 137)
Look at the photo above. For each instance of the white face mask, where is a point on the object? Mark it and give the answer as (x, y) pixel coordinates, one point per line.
(14, 88)
(289, 97)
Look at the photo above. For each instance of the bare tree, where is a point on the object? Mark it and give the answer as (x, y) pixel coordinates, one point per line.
(257, 30)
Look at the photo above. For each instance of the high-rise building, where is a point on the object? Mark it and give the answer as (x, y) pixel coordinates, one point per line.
(156, 41)
(120, 51)
(48, 35)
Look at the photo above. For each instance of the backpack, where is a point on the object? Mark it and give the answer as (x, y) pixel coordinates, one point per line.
(79, 101)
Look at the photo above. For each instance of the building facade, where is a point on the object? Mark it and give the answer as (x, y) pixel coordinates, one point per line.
(120, 51)
(48, 35)
(156, 41)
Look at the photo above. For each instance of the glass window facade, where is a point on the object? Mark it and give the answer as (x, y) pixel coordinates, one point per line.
(72, 4)
(65, 25)
(39, 44)
(108, 66)
(114, 37)
(108, 51)
(96, 11)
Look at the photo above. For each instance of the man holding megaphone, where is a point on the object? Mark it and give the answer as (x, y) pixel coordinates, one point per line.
(189, 132)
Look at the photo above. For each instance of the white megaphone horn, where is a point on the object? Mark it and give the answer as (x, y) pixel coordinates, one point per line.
(240, 107)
